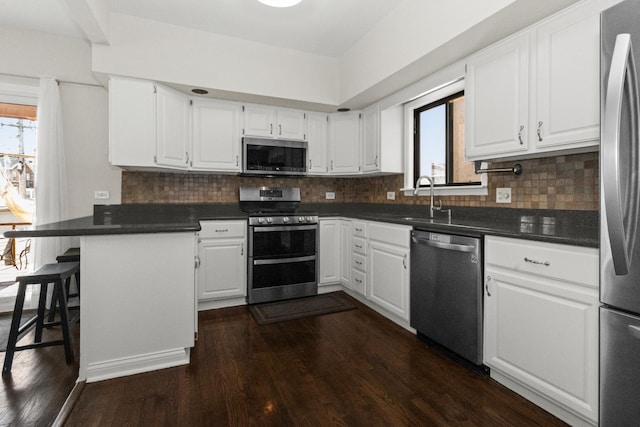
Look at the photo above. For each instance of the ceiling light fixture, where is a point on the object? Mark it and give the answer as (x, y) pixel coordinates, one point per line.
(280, 3)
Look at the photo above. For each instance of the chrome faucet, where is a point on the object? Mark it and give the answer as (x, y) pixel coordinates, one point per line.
(415, 193)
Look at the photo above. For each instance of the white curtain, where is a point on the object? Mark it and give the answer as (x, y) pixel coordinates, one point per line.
(51, 177)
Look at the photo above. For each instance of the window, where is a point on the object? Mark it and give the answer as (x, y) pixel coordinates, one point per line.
(439, 143)
(17, 147)
(434, 142)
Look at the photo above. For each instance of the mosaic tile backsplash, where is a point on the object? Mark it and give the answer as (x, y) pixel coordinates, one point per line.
(563, 182)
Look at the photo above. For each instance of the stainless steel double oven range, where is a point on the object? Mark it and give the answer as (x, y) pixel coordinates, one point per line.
(282, 245)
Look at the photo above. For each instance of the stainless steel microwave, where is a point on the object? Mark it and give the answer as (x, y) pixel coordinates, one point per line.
(263, 156)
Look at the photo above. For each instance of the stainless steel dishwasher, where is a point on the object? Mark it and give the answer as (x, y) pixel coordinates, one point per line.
(446, 291)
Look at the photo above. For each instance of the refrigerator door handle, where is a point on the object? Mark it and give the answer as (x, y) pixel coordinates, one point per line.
(634, 331)
(621, 212)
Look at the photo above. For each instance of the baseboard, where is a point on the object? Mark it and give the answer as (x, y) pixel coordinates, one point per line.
(135, 365)
(541, 401)
(221, 303)
(67, 408)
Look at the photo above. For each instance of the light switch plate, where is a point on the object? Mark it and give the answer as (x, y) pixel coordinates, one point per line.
(330, 195)
(391, 195)
(101, 194)
(503, 195)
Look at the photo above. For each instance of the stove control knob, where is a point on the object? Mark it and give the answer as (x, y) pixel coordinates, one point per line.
(301, 219)
(269, 220)
(260, 220)
(309, 219)
(285, 219)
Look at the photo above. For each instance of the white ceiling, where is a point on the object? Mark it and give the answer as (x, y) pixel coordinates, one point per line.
(322, 27)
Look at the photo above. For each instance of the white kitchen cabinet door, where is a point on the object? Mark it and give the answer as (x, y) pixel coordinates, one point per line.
(172, 128)
(541, 324)
(259, 120)
(271, 122)
(222, 269)
(317, 128)
(388, 275)
(216, 136)
(344, 143)
(496, 100)
(567, 107)
(291, 124)
(132, 122)
(345, 251)
(371, 139)
(330, 255)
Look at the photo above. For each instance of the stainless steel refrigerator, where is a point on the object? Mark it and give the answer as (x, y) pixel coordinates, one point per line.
(619, 210)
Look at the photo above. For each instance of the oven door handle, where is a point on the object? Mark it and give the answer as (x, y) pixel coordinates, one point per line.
(266, 229)
(283, 260)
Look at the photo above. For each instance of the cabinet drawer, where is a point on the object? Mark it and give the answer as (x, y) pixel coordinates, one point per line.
(359, 245)
(359, 229)
(222, 229)
(574, 264)
(359, 280)
(359, 262)
(392, 234)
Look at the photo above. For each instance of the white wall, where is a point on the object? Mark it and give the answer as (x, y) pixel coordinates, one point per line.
(168, 53)
(84, 108)
(412, 30)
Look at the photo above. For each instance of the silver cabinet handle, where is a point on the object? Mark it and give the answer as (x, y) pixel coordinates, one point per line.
(486, 286)
(358, 246)
(533, 261)
(271, 129)
(539, 131)
(279, 129)
(187, 154)
(621, 211)
(359, 262)
(331, 164)
(309, 163)
(220, 230)
(404, 261)
(376, 161)
(241, 249)
(520, 134)
(237, 161)
(358, 280)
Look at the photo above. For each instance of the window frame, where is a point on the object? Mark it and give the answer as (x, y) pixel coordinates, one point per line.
(449, 157)
(430, 96)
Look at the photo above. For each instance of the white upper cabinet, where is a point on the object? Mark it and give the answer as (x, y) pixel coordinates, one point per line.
(536, 93)
(496, 97)
(317, 129)
(216, 135)
(382, 144)
(371, 139)
(567, 110)
(172, 128)
(344, 143)
(270, 122)
(132, 122)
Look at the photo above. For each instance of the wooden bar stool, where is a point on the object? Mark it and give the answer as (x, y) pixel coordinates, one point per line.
(58, 274)
(70, 255)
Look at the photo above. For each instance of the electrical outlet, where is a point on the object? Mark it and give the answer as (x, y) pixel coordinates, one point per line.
(503, 195)
(101, 194)
(391, 195)
(330, 195)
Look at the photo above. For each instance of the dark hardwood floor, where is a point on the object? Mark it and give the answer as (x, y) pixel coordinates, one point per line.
(39, 383)
(353, 368)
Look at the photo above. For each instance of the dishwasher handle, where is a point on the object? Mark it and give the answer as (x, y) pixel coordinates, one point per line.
(442, 245)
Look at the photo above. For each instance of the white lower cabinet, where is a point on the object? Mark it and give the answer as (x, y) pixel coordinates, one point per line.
(329, 252)
(541, 324)
(388, 269)
(222, 266)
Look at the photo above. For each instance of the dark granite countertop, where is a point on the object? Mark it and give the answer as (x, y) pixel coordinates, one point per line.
(568, 227)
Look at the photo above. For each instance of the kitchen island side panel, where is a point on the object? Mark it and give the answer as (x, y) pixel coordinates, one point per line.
(137, 303)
